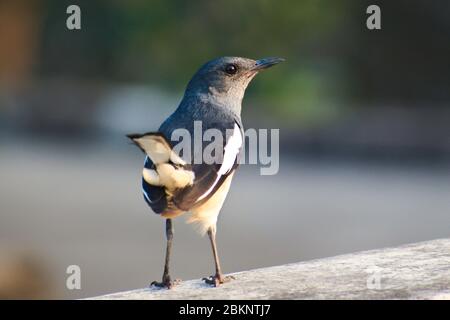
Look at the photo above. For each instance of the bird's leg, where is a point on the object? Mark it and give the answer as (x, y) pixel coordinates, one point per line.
(218, 278)
(166, 281)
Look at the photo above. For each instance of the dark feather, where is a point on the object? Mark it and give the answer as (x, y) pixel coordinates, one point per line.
(156, 195)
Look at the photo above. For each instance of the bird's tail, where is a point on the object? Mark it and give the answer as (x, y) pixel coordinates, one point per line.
(156, 146)
(168, 172)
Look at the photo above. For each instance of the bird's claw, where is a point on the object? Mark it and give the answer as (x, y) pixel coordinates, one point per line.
(166, 283)
(218, 279)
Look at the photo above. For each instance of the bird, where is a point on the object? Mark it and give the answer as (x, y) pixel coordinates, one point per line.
(173, 186)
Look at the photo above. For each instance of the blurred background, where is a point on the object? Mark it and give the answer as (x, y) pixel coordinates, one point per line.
(364, 134)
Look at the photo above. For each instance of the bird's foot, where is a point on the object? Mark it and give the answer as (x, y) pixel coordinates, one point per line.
(218, 279)
(166, 283)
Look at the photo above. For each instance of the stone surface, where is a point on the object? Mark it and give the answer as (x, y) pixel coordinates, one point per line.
(415, 271)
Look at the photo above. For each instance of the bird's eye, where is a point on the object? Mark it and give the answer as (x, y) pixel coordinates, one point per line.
(231, 69)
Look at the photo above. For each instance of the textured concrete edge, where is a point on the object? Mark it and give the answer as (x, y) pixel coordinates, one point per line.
(435, 253)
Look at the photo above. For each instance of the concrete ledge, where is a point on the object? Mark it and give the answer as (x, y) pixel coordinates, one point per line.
(415, 271)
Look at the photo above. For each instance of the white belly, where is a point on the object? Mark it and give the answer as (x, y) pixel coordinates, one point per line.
(205, 215)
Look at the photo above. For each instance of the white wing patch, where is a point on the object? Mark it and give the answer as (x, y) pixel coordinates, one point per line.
(231, 151)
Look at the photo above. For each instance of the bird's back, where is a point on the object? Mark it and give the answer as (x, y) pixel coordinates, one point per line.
(191, 116)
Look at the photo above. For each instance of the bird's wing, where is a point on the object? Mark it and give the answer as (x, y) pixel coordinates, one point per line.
(209, 177)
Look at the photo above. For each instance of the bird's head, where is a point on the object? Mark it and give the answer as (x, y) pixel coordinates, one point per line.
(225, 79)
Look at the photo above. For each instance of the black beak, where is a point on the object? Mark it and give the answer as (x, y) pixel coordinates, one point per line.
(267, 63)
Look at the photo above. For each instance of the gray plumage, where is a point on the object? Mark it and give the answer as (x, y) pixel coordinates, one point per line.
(214, 97)
(172, 186)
